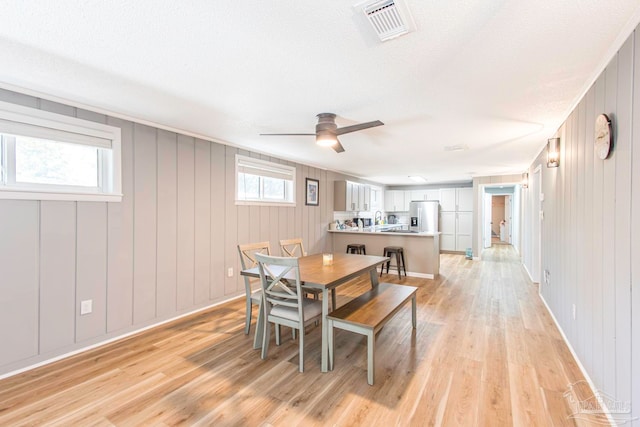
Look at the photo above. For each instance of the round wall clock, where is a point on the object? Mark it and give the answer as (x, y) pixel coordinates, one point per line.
(603, 136)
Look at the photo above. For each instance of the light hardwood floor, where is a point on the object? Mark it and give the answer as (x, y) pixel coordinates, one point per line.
(485, 352)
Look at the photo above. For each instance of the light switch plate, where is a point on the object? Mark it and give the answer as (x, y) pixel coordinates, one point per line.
(86, 307)
(230, 272)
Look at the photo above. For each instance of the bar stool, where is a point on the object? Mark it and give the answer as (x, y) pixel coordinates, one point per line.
(399, 253)
(356, 248)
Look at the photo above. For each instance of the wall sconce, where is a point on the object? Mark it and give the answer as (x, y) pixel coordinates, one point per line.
(553, 152)
(525, 180)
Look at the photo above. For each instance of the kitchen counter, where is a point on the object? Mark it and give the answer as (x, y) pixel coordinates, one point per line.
(421, 250)
(368, 230)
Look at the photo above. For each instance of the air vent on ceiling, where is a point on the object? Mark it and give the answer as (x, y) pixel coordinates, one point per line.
(389, 18)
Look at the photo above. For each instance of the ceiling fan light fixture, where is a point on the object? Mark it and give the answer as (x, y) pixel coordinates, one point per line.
(326, 139)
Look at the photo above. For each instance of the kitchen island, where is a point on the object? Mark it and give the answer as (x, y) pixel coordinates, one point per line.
(421, 250)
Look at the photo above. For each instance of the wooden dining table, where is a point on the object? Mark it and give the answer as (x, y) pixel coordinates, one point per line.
(326, 278)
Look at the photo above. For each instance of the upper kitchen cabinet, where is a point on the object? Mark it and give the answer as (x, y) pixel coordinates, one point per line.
(456, 199)
(376, 199)
(394, 201)
(364, 197)
(351, 196)
(433, 194)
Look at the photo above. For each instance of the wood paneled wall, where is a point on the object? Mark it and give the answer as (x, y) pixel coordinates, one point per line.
(591, 231)
(161, 252)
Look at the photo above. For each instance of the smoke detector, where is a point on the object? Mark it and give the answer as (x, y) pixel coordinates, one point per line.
(389, 18)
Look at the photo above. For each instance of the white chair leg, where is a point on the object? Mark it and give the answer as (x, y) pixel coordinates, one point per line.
(413, 311)
(330, 342)
(265, 339)
(277, 334)
(302, 349)
(371, 342)
(257, 339)
(247, 325)
(293, 333)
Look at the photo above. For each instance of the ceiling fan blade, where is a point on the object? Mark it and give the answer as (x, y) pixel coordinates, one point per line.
(287, 134)
(360, 126)
(338, 147)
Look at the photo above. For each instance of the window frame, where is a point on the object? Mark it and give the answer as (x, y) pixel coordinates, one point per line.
(52, 126)
(279, 167)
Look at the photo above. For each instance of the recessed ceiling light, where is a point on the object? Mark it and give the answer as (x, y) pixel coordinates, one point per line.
(417, 179)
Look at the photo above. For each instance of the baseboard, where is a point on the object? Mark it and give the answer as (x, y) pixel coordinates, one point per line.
(421, 275)
(575, 357)
(114, 339)
(528, 274)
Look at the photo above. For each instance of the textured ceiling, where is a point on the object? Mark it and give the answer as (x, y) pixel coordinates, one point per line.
(496, 76)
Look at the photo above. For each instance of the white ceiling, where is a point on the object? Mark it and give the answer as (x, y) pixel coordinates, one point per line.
(496, 76)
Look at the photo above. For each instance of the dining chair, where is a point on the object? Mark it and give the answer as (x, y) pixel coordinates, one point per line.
(283, 303)
(295, 248)
(248, 260)
(292, 248)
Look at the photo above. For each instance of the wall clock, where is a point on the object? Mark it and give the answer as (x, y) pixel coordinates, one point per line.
(603, 136)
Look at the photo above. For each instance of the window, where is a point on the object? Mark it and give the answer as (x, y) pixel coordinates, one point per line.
(46, 156)
(262, 182)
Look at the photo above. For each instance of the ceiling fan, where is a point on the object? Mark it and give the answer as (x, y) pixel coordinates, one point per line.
(327, 131)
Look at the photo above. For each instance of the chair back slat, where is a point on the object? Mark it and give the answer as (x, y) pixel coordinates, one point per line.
(292, 248)
(277, 289)
(247, 253)
(248, 260)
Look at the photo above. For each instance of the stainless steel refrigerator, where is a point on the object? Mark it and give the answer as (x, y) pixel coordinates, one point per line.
(423, 216)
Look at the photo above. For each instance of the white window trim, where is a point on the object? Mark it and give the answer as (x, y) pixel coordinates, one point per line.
(267, 164)
(57, 122)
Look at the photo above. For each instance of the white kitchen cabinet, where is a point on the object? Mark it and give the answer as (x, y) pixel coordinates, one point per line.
(456, 229)
(376, 199)
(364, 197)
(407, 200)
(464, 225)
(448, 199)
(464, 199)
(432, 194)
(343, 196)
(456, 216)
(456, 199)
(419, 195)
(394, 201)
(352, 188)
(351, 196)
(448, 230)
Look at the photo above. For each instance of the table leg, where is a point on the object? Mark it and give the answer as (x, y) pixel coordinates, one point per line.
(374, 278)
(325, 330)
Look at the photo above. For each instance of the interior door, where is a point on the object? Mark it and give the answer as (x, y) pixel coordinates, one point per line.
(486, 213)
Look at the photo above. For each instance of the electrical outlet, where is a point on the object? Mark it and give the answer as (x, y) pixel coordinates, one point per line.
(573, 311)
(547, 277)
(86, 307)
(230, 272)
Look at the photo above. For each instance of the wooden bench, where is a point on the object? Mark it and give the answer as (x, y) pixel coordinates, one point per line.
(368, 313)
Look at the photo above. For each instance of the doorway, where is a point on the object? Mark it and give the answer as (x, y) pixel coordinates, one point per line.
(501, 219)
(500, 213)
